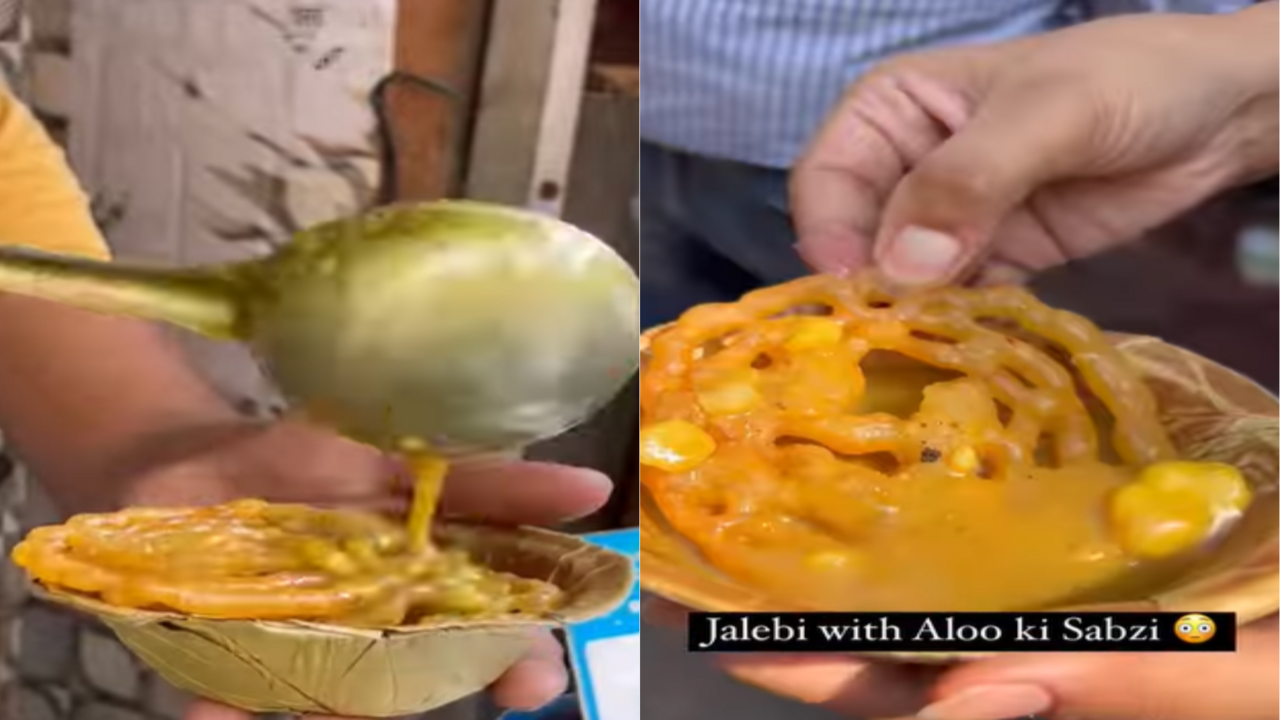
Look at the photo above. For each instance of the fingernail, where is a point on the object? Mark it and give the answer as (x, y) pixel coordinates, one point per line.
(990, 702)
(596, 478)
(1002, 274)
(918, 256)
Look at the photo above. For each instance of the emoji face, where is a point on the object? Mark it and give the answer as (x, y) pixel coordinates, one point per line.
(1194, 628)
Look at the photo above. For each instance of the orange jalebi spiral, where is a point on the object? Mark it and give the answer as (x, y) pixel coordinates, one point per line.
(962, 330)
(253, 560)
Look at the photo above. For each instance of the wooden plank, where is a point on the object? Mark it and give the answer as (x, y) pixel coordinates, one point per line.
(561, 106)
(605, 173)
(514, 81)
(440, 41)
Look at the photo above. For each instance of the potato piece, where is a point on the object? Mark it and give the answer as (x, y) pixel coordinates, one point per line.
(675, 446)
(814, 333)
(1174, 506)
(730, 393)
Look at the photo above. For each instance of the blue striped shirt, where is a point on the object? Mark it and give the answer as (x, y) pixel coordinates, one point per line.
(751, 80)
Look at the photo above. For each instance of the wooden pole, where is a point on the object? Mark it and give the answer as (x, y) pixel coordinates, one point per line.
(440, 41)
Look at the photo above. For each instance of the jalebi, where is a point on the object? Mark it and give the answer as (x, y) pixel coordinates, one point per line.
(255, 560)
(762, 442)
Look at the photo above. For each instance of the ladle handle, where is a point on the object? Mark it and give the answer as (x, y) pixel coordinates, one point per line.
(201, 301)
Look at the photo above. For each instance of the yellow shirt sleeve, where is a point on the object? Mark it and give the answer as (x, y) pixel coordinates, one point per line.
(41, 203)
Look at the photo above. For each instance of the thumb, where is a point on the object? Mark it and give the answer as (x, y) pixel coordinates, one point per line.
(941, 217)
(1169, 686)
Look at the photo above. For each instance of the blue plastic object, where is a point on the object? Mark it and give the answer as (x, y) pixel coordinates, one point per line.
(605, 652)
(565, 707)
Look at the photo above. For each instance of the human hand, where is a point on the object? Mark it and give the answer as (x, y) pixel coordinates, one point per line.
(289, 462)
(1059, 686)
(987, 163)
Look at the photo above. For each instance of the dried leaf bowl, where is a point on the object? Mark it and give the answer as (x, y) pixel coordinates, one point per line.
(303, 667)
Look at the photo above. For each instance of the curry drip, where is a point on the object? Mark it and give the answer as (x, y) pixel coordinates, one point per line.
(255, 560)
(1009, 457)
(428, 471)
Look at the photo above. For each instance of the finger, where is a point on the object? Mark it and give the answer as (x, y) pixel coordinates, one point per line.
(201, 482)
(1000, 273)
(836, 241)
(940, 218)
(531, 493)
(316, 451)
(1021, 246)
(664, 613)
(884, 125)
(537, 679)
(845, 684)
(338, 469)
(1172, 686)
(187, 484)
(205, 710)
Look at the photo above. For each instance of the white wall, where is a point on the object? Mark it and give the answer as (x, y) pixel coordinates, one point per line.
(208, 130)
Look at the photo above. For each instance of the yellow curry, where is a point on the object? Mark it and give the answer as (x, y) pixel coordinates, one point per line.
(253, 560)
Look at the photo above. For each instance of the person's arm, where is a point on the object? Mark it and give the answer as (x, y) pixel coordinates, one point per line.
(78, 391)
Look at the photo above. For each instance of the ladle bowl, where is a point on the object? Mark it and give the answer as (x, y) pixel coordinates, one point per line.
(464, 326)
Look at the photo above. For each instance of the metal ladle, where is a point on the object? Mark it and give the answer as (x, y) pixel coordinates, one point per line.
(461, 326)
